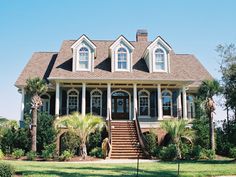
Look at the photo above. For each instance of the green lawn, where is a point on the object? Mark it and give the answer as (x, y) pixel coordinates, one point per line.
(64, 169)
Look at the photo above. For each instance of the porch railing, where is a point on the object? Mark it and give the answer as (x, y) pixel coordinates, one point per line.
(109, 132)
(141, 139)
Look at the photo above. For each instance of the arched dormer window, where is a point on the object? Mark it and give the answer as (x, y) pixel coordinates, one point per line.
(160, 60)
(122, 59)
(83, 58)
(144, 103)
(72, 101)
(96, 102)
(167, 103)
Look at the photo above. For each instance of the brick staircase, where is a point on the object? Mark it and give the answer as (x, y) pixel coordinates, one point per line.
(125, 143)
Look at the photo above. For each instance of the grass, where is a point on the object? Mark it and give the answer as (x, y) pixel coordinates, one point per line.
(154, 169)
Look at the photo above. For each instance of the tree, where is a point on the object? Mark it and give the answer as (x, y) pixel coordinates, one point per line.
(207, 90)
(82, 126)
(35, 87)
(177, 129)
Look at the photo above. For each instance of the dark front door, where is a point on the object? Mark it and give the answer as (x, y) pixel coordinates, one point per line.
(120, 107)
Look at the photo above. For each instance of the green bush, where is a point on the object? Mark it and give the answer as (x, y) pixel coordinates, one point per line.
(232, 152)
(168, 153)
(196, 152)
(1, 154)
(96, 152)
(69, 141)
(18, 153)
(6, 170)
(49, 151)
(207, 154)
(95, 140)
(66, 156)
(186, 151)
(31, 155)
(151, 140)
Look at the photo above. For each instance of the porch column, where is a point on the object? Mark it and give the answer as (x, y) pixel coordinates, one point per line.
(184, 103)
(108, 100)
(179, 105)
(57, 105)
(135, 101)
(83, 107)
(159, 102)
(22, 104)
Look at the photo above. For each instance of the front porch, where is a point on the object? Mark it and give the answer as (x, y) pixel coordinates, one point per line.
(150, 102)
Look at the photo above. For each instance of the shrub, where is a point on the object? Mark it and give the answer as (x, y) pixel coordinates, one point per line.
(207, 154)
(69, 141)
(232, 152)
(66, 155)
(196, 152)
(6, 170)
(168, 153)
(96, 152)
(31, 155)
(18, 153)
(151, 140)
(49, 151)
(186, 151)
(1, 154)
(95, 140)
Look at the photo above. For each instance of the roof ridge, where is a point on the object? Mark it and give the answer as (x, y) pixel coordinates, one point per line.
(45, 52)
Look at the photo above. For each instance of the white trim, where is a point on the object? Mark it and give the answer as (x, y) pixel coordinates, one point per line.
(82, 38)
(159, 102)
(22, 104)
(179, 105)
(135, 101)
(154, 60)
(161, 41)
(121, 38)
(44, 100)
(91, 100)
(67, 102)
(120, 90)
(184, 102)
(108, 100)
(127, 59)
(83, 106)
(140, 91)
(171, 103)
(78, 58)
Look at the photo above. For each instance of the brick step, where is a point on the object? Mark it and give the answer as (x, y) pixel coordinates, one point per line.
(124, 136)
(124, 141)
(125, 157)
(126, 151)
(124, 132)
(128, 154)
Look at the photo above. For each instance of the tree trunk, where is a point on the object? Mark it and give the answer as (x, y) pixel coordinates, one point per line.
(34, 130)
(211, 132)
(83, 150)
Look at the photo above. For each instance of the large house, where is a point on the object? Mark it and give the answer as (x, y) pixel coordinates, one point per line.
(117, 79)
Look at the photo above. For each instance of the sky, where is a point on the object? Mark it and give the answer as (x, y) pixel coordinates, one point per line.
(189, 26)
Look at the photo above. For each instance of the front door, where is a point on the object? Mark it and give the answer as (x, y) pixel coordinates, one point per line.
(120, 106)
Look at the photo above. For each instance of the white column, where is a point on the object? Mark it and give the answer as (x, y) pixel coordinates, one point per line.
(135, 100)
(184, 103)
(83, 109)
(108, 100)
(57, 102)
(179, 105)
(22, 104)
(159, 102)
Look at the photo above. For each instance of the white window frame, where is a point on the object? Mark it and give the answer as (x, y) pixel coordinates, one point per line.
(128, 58)
(165, 60)
(78, 58)
(68, 92)
(91, 100)
(43, 101)
(148, 93)
(171, 103)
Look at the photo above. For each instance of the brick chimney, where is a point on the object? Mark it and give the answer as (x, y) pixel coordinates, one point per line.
(141, 35)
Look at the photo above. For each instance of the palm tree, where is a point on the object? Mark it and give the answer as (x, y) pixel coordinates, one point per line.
(82, 126)
(207, 90)
(177, 129)
(35, 87)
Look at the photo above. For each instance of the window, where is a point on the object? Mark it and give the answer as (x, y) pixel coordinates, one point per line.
(159, 60)
(96, 102)
(144, 103)
(83, 58)
(122, 59)
(72, 101)
(167, 103)
(45, 103)
(190, 106)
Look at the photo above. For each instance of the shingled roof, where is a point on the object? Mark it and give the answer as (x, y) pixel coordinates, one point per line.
(183, 67)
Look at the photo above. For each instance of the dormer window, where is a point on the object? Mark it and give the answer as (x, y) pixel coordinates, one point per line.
(122, 59)
(159, 60)
(83, 58)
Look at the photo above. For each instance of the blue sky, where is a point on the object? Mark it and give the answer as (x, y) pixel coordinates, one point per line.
(195, 27)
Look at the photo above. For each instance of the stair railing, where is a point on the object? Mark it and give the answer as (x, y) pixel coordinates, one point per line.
(109, 133)
(141, 139)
